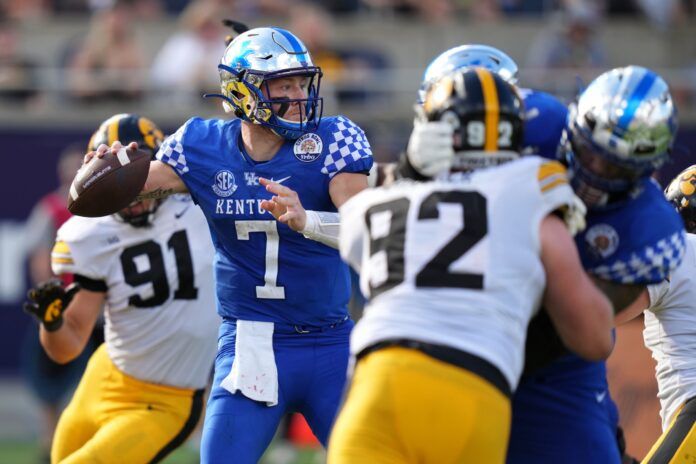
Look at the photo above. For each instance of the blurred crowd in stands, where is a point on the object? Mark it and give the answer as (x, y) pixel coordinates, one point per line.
(661, 12)
(109, 62)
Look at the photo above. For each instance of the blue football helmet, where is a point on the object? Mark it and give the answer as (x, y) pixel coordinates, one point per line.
(620, 130)
(257, 56)
(468, 56)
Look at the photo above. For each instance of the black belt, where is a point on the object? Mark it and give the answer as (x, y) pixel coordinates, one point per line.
(449, 355)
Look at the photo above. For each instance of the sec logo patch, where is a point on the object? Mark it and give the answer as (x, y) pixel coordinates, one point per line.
(225, 184)
(308, 148)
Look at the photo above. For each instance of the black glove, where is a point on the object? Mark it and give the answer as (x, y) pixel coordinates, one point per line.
(47, 301)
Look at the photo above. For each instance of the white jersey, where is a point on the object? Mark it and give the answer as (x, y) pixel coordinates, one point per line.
(670, 333)
(454, 262)
(160, 318)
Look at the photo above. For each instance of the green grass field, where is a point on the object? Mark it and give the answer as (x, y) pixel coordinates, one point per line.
(278, 453)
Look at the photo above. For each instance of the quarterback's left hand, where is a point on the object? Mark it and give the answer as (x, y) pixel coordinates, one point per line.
(285, 205)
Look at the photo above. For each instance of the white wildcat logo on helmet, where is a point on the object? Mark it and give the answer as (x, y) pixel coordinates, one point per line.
(259, 55)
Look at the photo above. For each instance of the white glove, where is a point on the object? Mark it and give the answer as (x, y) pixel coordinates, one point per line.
(574, 216)
(430, 149)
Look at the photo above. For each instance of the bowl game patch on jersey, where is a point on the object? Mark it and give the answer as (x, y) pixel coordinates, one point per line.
(308, 148)
(602, 240)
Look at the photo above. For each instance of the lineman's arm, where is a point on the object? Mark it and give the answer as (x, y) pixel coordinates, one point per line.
(622, 296)
(66, 343)
(162, 180)
(640, 304)
(581, 314)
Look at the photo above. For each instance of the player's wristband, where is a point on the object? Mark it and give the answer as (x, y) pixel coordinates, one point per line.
(322, 227)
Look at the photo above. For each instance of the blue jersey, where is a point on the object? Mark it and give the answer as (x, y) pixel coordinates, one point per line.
(636, 242)
(563, 412)
(545, 119)
(264, 270)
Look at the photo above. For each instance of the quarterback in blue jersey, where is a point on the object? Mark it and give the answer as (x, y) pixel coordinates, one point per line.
(282, 289)
(563, 412)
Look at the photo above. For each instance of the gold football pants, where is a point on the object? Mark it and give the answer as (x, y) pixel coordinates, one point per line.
(404, 406)
(115, 418)
(677, 445)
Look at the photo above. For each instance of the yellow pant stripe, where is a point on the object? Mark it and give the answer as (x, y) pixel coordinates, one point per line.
(677, 445)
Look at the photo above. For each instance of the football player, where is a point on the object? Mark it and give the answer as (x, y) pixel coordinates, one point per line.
(670, 327)
(283, 295)
(148, 268)
(569, 400)
(619, 132)
(545, 115)
(441, 345)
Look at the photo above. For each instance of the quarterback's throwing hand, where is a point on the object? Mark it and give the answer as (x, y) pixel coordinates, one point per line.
(285, 205)
(47, 302)
(103, 149)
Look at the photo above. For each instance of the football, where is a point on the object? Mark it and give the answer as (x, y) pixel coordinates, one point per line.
(106, 185)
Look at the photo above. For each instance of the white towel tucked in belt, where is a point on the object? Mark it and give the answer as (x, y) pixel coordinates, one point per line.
(254, 371)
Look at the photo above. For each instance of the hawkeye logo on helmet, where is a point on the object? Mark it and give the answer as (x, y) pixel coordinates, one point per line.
(308, 148)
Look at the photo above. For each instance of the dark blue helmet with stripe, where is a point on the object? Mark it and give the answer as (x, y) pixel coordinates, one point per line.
(254, 58)
(621, 129)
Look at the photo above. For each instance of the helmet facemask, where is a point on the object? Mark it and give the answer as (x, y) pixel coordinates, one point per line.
(139, 213)
(275, 54)
(245, 93)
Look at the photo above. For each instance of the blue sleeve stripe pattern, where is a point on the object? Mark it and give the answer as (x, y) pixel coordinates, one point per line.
(349, 145)
(635, 100)
(651, 266)
(172, 153)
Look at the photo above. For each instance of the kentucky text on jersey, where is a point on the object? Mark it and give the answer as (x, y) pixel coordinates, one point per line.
(248, 206)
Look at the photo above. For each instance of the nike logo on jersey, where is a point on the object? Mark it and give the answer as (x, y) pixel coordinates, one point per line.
(178, 215)
(252, 179)
(599, 396)
(280, 181)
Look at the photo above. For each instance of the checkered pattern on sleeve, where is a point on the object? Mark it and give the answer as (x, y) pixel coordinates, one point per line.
(348, 145)
(651, 265)
(172, 152)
